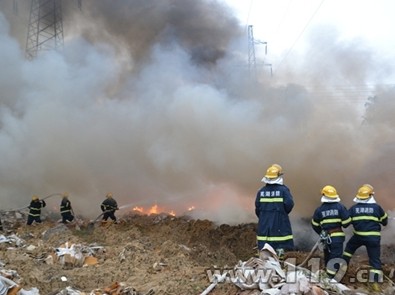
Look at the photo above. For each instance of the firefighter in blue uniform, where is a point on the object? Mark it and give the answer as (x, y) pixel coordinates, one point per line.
(273, 203)
(108, 207)
(367, 218)
(65, 209)
(35, 210)
(328, 221)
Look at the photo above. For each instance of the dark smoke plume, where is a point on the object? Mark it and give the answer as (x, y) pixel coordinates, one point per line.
(153, 101)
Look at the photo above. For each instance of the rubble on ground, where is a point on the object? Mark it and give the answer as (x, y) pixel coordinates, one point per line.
(265, 275)
(144, 255)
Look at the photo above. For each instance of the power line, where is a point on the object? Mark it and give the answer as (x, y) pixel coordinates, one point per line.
(282, 19)
(249, 12)
(301, 33)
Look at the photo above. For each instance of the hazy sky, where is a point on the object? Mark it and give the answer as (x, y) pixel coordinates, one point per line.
(287, 24)
(153, 101)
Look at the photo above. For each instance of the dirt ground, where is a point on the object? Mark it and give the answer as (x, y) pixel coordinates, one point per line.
(160, 254)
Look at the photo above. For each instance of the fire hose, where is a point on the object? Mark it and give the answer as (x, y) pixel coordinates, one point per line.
(100, 215)
(23, 208)
(217, 279)
(323, 242)
(91, 224)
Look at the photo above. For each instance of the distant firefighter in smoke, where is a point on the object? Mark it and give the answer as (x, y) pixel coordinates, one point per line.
(367, 219)
(65, 209)
(328, 221)
(273, 203)
(108, 207)
(35, 210)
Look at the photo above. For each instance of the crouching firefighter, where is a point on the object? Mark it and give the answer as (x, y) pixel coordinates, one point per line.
(367, 218)
(328, 221)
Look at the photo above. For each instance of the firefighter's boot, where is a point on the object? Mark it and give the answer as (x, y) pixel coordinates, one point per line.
(375, 287)
(280, 253)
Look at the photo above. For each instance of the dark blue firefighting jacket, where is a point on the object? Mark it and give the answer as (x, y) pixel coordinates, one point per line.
(65, 207)
(272, 205)
(35, 207)
(331, 217)
(367, 219)
(109, 204)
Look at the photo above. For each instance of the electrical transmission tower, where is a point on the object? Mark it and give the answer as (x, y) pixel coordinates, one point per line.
(45, 29)
(252, 65)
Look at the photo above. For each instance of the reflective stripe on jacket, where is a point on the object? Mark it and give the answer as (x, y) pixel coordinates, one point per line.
(109, 205)
(367, 219)
(272, 205)
(331, 217)
(35, 207)
(65, 206)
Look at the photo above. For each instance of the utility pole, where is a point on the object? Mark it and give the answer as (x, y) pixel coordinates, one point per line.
(45, 30)
(252, 65)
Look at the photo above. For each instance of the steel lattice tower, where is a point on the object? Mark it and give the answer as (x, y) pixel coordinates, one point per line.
(252, 65)
(251, 52)
(45, 30)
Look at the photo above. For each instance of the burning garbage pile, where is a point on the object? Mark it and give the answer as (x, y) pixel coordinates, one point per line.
(152, 254)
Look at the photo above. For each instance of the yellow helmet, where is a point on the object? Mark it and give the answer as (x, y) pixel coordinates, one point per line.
(280, 169)
(34, 197)
(329, 192)
(65, 194)
(272, 172)
(109, 195)
(365, 192)
(369, 186)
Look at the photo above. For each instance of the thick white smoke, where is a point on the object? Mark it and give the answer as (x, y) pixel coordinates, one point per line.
(161, 110)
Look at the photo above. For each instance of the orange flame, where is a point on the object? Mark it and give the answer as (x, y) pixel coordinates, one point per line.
(139, 209)
(153, 210)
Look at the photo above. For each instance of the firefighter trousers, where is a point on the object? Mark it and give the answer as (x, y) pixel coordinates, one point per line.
(373, 248)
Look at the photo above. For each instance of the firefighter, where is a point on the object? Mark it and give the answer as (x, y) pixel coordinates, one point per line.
(35, 210)
(65, 209)
(273, 203)
(328, 221)
(367, 218)
(108, 207)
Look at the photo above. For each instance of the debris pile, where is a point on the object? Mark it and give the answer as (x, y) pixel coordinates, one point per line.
(10, 287)
(75, 255)
(114, 289)
(11, 220)
(12, 239)
(146, 255)
(267, 275)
